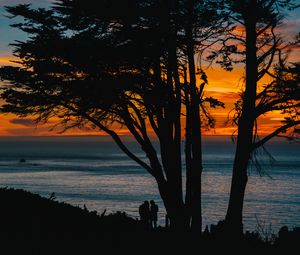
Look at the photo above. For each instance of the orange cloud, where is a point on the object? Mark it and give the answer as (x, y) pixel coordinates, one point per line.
(7, 60)
(220, 80)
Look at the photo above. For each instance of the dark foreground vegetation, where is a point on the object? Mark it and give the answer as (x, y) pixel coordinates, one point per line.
(31, 223)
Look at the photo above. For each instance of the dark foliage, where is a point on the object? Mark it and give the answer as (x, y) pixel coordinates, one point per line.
(90, 64)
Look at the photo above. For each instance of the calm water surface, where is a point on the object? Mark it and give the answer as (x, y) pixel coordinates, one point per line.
(94, 172)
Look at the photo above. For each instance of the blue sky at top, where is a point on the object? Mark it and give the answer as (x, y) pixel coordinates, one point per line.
(8, 34)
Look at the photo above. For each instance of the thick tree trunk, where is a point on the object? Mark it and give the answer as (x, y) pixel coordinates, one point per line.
(188, 152)
(195, 132)
(174, 206)
(234, 217)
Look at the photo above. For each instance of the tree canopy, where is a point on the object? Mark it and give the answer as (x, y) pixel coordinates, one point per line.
(89, 63)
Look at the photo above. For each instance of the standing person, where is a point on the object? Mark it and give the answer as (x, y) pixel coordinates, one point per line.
(144, 211)
(153, 214)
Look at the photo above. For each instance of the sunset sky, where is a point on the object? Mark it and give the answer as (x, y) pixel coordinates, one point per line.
(222, 85)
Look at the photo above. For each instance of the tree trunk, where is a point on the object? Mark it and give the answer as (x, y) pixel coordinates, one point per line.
(234, 217)
(170, 139)
(188, 151)
(174, 206)
(196, 161)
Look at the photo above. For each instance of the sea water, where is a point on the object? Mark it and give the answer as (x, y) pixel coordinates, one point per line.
(92, 171)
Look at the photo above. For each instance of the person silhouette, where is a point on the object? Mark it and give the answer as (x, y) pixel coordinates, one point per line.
(144, 211)
(153, 214)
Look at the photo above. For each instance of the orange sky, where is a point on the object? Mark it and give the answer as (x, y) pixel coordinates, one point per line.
(222, 85)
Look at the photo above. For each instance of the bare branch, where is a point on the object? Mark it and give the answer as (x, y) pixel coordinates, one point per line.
(115, 137)
(273, 134)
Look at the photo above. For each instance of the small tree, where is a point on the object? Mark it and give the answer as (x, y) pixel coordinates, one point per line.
(257, 43)
(89, 63)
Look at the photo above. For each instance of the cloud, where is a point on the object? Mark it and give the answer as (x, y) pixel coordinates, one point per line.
(23, 122)
(8, 61)
(290, 27)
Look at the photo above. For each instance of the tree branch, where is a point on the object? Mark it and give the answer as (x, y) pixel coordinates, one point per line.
(115, 137)
(273, 134)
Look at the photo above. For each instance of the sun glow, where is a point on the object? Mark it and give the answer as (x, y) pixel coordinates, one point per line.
(223, 85)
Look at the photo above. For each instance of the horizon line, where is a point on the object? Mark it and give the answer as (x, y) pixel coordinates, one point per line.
(1, 136)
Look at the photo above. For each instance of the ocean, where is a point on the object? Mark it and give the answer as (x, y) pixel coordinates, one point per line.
(92, 171)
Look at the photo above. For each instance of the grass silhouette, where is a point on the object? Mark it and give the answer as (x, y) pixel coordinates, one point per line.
(33, 224)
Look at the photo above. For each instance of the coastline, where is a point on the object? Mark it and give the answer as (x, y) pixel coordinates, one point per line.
(30, 218)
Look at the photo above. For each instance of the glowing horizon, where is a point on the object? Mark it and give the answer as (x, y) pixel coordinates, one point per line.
(11, 125)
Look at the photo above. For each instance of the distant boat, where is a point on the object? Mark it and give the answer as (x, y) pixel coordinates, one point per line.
(22, 160)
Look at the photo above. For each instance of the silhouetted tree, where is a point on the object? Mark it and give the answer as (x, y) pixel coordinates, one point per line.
(132, 63)
(256, 42)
